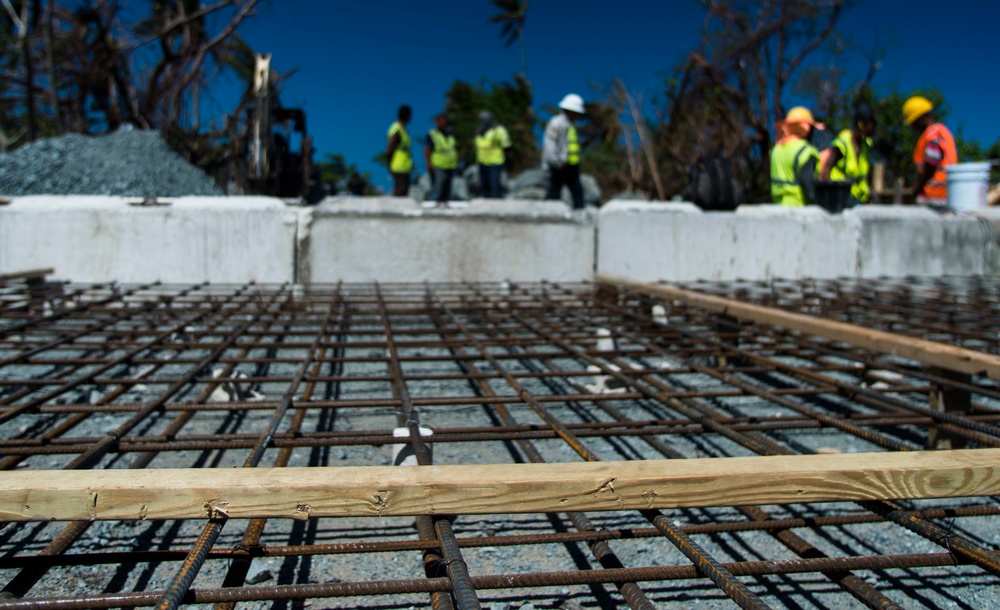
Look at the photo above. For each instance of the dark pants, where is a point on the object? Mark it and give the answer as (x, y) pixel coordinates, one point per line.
(442, 184)
(400, 185)
(489, 181)
(568, 175)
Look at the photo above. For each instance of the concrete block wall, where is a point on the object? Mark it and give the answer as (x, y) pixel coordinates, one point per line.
(193, 239)
(903, 240)
(679, 242)
(399, 240)
(235, 240)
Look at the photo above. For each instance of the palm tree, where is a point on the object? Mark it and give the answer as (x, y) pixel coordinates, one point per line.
(512, 16)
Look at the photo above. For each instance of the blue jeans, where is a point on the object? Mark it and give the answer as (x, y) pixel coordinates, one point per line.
(489, 181)
(442, 184)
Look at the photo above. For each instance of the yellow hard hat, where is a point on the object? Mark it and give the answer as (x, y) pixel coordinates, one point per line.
(801, 114)
(916, 107)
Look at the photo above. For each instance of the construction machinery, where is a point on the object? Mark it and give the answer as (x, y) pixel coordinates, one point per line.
(276, 167)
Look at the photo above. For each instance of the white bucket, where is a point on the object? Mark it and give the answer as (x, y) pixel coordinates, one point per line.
(968, 184)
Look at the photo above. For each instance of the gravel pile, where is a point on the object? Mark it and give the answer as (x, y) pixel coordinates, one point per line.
(127, 163)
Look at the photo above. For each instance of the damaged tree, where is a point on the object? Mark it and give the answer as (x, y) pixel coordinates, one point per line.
(618, 145)
(728, 94)
(710, 141)
(88, 68)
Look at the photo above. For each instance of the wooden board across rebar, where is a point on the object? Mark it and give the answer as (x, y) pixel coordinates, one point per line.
(946, 356)
(29, 274)
(302, 493)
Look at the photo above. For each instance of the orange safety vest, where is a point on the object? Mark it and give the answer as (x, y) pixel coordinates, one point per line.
(937, 187)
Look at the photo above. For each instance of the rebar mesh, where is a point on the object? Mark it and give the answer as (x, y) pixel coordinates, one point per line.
(207, 376)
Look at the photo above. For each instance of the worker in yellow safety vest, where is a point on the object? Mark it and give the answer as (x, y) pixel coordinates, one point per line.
(492, 143)
(794, 159)
(849, 157)
(441, 157)
(397, 152)
(561, 150)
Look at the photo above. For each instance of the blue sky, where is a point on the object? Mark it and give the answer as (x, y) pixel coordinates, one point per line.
(358, 60)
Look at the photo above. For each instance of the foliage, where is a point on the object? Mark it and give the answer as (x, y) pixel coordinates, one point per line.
(336, 171)
(512, 16)
(603, 144)
(510, 103)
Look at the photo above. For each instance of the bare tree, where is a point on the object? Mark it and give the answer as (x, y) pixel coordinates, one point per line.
(734, 84)
(642, 138)
(85, 57)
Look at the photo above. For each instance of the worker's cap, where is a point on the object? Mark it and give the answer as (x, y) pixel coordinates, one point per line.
(573, 103)
(916, 107)
(800, 115)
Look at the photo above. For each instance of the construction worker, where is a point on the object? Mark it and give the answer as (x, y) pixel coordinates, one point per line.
(492, 143)
(441, 157)
(397, 153)
(561, 150)
(849, 157)
(794, 159)
(934, 152)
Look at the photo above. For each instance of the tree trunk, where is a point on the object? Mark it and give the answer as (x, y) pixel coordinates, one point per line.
(53, 79)
(29, 69)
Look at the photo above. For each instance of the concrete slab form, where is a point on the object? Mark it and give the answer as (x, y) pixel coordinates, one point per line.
(102, 239)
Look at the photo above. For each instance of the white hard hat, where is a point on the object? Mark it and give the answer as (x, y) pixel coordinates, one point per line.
(573, 103)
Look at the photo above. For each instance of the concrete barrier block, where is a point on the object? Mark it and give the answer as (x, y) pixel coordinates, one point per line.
(193, 239)
(631, 206)
(908, 240)
(756, 242)
(399, 240)
(770, 210)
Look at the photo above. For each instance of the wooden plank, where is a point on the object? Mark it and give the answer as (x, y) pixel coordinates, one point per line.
(27, 274)
(301, 493)
(946, 356)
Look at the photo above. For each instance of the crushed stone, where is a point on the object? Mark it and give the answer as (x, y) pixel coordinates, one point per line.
(127, 162)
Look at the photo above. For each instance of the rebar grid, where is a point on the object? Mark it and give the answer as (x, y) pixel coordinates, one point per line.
(959, 310)
(244, 376)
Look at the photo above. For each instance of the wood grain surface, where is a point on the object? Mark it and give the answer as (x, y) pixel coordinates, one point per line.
(301, 493)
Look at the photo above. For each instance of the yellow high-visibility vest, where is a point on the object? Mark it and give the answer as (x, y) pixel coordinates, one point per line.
(572, 146)
(786, 161)
(490, 146)
(444, 155)
(402, 160)
(853, 165)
